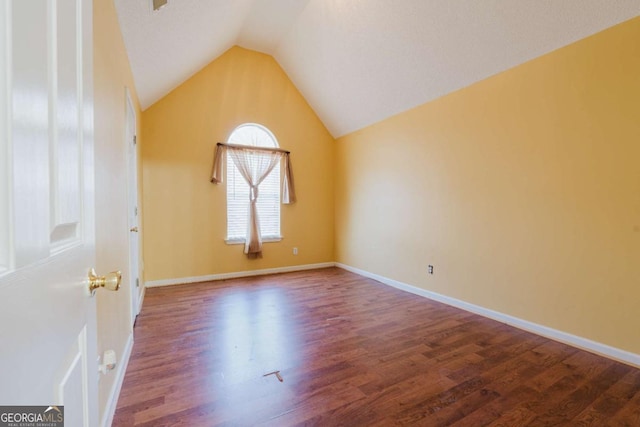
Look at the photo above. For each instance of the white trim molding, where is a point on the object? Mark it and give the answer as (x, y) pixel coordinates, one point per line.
(237, 274)
(554, 334)
(112, 402)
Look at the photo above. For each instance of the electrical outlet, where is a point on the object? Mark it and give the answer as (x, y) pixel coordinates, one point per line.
(430, 269)
(295, 251)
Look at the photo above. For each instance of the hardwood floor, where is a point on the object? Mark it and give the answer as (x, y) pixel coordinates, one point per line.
(353, 352)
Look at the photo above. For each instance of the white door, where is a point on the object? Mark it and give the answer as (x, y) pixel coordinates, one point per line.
(47, 317)
(132, 183)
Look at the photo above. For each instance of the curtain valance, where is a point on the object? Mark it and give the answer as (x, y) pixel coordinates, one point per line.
(288, 188)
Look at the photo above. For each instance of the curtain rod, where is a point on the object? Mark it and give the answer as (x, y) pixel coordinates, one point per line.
(250, 147)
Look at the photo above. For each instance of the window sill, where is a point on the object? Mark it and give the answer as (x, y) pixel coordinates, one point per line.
(241, 241)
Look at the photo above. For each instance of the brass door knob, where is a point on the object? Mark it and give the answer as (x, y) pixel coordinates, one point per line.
(111, 281)
(134, 230)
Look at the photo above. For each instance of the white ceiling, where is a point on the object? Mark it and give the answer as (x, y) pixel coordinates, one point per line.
(358, 61)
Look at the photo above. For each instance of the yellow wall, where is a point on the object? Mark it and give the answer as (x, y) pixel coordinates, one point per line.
(111, 75)
(185, 215)
(522, 190)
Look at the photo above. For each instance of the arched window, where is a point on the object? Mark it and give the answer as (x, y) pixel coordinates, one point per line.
(268, 203)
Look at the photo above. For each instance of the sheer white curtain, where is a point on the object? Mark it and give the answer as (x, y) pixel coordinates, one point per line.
(255, 164)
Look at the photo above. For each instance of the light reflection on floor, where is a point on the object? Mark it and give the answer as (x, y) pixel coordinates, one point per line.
(251, 335)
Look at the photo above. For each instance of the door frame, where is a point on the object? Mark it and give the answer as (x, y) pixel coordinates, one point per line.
(133, 207)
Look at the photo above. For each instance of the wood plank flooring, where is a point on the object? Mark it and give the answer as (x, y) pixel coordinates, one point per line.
(353, 352)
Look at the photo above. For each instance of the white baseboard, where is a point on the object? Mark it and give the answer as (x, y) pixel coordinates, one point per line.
(112, 402)
(554, 334)
(235, 275)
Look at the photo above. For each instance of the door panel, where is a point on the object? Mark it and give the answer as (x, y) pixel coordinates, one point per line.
(47, 317)
(70, 388)
(65, 143)
(4, 164)
(29, 130)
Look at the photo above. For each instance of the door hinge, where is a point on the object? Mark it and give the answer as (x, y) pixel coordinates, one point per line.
(135, 139)
(137, 282)
(135, 211)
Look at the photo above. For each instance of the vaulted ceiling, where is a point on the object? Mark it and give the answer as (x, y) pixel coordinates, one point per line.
(357, 61)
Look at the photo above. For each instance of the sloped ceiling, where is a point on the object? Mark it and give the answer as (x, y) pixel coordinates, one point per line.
(358, 61)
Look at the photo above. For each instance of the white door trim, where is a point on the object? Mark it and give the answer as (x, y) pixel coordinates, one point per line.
(133, 204)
